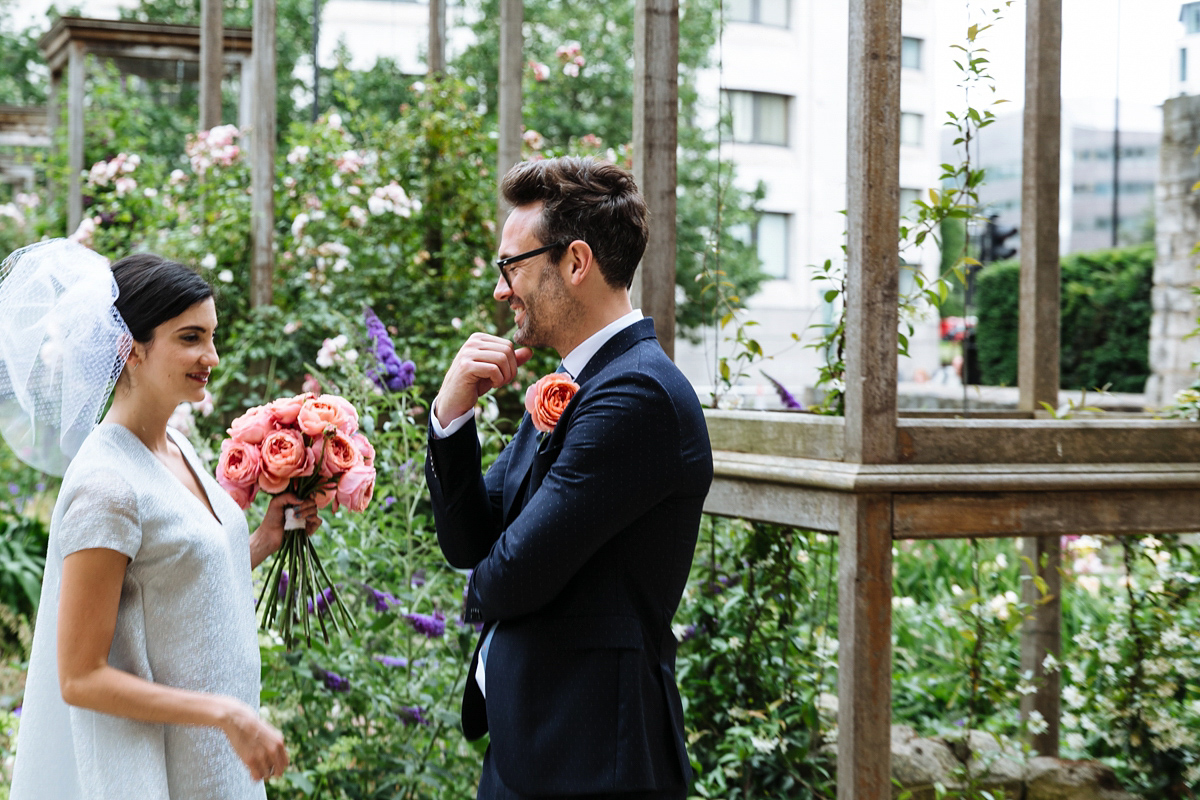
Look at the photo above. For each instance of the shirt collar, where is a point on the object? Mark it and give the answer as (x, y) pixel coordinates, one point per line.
(577, 359)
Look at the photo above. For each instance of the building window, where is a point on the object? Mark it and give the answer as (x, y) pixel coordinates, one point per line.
(1189, 15)
(907, 198)
(910, 52)
(760, 12)
(769, 238)
(758, 118)
(912, 129)
(1183, 65)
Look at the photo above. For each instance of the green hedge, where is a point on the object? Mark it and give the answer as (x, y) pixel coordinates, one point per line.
(1105, 320)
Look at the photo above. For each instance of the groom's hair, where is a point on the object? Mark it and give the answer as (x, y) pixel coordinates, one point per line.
(588, 199)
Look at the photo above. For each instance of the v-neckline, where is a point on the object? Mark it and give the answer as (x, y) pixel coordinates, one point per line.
(206, 503)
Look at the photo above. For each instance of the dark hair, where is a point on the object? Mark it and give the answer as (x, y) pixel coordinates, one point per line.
(153, 290)
(588, 199)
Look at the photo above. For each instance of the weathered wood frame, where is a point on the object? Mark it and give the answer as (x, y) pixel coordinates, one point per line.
(21, 126)
(136, 46)
(877, 475)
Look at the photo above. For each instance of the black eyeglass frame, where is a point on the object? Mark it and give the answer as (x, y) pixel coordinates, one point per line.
(501, 263)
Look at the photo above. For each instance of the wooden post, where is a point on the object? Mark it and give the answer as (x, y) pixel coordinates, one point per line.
(655, 138)
(212, 56)
(1038, 371)
(865, 648)
(1041, 635)
(76, 88)
(437, 38)
(873, 195)
(245, 93)
(512, 66)
(262, 156)
(53, 123)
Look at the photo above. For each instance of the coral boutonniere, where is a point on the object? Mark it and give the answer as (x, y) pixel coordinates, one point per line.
(546, 399)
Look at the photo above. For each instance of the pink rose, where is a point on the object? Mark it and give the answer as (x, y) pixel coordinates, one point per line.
(355, 488)
(320, 414)
(239, 465)
(242, 495)
(365, 449)
(253, 426)
(286, 409)
(284, 457)
(340, 455)
(548, 398)
(349, 424)
(326, 495)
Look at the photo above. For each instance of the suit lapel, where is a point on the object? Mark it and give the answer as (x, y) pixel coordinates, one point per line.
(517, 477)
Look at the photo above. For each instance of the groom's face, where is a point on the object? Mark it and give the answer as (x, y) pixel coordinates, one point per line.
(542, 306)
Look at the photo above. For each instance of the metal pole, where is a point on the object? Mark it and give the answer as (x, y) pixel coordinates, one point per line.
(316, 106)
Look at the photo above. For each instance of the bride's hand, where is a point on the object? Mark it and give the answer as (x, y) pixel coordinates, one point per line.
(258, 744)
(269, 536)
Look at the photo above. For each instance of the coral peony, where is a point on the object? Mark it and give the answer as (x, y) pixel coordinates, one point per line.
(253, 426)
(340, 455)
(284, 456)
(356, 487)
(239, 464)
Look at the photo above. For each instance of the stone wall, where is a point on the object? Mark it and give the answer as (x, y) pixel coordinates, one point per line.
(1175, 270)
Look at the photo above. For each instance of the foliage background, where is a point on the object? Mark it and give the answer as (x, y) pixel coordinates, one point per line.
(1105, 323)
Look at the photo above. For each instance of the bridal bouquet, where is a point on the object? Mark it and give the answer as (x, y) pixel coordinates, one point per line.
(308, 445)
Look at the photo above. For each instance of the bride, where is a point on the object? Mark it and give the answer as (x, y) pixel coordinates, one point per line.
(144, 675)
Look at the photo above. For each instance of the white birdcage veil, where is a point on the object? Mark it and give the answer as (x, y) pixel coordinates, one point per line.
(63, 345)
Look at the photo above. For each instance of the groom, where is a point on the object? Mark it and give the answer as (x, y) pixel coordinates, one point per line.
(580, 539)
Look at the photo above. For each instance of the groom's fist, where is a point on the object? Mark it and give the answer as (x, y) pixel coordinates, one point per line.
(483, 363)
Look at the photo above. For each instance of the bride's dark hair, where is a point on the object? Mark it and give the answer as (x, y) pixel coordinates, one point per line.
(154, 290)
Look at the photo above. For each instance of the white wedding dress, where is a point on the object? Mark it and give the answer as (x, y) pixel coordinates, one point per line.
(186, 619)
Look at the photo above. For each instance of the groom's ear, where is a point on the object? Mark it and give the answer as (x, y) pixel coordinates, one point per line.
(581, 261)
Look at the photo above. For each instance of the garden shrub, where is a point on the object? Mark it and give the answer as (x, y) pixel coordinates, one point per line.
(1105, 324)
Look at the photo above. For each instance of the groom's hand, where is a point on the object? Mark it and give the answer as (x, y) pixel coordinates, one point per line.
(483, 363)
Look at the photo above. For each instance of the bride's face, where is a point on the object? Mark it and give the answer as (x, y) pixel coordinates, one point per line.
(176, 363)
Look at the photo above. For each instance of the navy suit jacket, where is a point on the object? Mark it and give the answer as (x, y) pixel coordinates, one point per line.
(581, 542)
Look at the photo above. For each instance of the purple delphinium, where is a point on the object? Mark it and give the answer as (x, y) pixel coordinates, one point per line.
(323, 601)
(334, 682)
(413, 715)
(390, 372)
(418, 579)
(381, 599)
(787, 398)
(283, 584)
(433, 626)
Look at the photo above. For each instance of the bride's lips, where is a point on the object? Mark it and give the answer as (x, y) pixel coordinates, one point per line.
(200, 377)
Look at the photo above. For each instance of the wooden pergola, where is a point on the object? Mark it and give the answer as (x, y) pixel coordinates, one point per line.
(149, 50)
(876, 475)
(21, 126)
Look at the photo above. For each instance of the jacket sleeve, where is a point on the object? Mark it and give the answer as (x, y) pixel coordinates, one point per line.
(618, 457)
(467, 506)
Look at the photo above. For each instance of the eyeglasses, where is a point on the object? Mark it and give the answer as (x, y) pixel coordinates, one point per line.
(504, 262)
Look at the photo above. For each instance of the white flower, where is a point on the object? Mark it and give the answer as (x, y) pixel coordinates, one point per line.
(225, 276)
(209, 261)
(358, 215)
(298, 154)
(1075, 741)
(205, 406)
(1001, 560)
(571, 70)
(298, 225)
(335, 121)
(763, 745)
(150, 191)
(533, 139)
(181, 419)
(1037, 723)
(124, 185)
(1073, 697)
(456, 323)
(178, 176)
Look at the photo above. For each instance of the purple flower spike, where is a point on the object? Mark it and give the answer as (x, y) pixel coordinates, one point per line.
(283, 584)
(323, 601)
(389, 371)
(413, 715)
(433, 626)
(382, 600)
(335, 682)
(787, 398)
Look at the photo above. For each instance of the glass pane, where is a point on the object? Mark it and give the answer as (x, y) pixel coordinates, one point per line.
(911, 128)
(741, 110)
(907, 198)
(773, 12)
(910, 53)
(772, 119)
(740, 10)
(772, 244)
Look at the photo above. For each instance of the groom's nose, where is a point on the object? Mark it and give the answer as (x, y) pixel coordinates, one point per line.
(502, 291)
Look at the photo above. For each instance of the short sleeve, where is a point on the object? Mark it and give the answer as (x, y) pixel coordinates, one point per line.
(101, 512)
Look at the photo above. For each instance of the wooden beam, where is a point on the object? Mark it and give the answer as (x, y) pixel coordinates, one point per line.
(655, 139)
(1041, 636)
(512, 65)
(873, 196)
(212, 69)
(437, 38)
(1040, 513)
(864, 752)
(779, 504)
(262, 157)
(76, 89)
(1038, 353)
